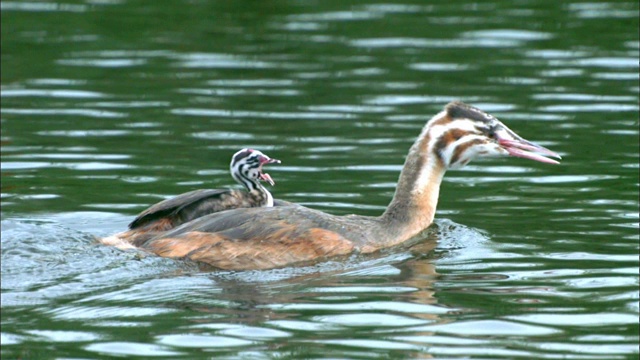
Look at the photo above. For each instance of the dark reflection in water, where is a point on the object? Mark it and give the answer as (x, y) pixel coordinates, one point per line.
(109, 106)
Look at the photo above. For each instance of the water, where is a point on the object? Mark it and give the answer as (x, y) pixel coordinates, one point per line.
(110, 106)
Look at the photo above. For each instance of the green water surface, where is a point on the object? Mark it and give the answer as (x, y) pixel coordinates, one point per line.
(110, 106)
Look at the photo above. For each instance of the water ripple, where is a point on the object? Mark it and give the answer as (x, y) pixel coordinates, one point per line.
(257, 114)
(104, 63)
(601, 319)
(120, 348)
(201, 341)
(51, 93)
(44, 7)
(488, 328)
(78, 112)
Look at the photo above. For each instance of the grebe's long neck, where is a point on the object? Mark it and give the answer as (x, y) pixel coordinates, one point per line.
(413, 206)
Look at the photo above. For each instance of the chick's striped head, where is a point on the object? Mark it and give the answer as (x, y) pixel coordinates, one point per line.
(246, 168)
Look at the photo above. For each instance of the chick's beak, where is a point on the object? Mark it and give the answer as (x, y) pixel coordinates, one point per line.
(264, 176)
(272, 161)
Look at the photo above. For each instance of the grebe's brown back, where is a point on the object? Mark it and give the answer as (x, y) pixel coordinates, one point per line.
(263, 238)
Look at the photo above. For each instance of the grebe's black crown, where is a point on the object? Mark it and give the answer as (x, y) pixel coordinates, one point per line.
(460, 110)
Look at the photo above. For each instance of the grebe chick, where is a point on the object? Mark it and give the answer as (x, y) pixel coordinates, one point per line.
(246, 169)
(264, 238)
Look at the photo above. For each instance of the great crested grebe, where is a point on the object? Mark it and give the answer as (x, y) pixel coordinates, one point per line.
(264, 238)
(246, 169)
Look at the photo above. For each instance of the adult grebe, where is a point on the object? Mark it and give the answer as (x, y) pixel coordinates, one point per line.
(263, 238)
(246, 169)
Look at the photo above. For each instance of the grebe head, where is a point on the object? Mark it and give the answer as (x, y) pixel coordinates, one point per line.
(246, 168)
(462, 133)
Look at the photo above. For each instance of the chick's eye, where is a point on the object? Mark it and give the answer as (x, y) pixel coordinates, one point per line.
(492, 132)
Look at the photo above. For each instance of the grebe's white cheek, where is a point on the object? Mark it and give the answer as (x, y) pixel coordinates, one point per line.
(497, 150)
(488, 150)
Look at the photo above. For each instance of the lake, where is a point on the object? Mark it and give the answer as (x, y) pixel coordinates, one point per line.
(109, 106)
